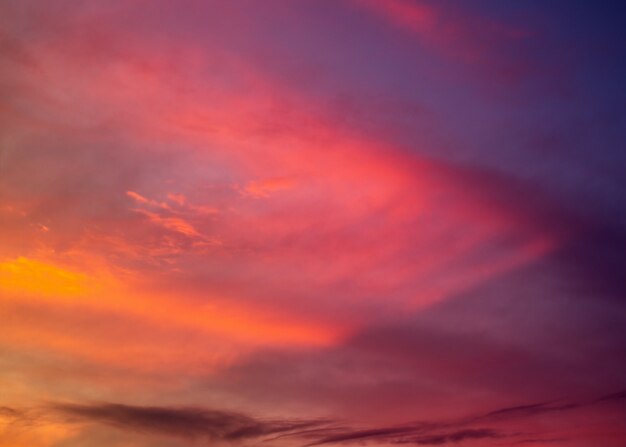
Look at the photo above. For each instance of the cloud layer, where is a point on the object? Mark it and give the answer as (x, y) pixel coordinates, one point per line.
(238, 218)
(221, 426)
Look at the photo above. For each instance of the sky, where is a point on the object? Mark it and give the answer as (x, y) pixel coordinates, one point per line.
(294, 223)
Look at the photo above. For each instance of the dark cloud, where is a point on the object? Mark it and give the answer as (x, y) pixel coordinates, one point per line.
(384, 433)
(551, 407)
(538, 441)
(8, 412)
(182, 422)
(219, 425)
(437, 433)
(402, 360)
(18, 417)
(530, 410)
(407, 435)
(457, 436)
(594, 262)
(620, 395)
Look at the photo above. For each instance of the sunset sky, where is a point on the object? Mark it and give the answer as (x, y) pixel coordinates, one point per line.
(290, 223)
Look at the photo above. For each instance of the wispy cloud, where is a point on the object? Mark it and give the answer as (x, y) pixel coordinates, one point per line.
(222, 425)
(182, 422)
(453, 437)
(449, 29)
(378, 210)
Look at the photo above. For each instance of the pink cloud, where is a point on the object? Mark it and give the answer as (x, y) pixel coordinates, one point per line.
(457, 33)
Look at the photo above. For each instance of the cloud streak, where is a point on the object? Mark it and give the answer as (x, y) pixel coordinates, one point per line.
(229, 426)
(182, 422)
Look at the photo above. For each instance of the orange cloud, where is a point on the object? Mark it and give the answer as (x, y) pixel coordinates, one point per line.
(175, 224)
(265, 188)
(26, 276)
(178, 199)
(133, 327)
(363, 214)
(354, 231)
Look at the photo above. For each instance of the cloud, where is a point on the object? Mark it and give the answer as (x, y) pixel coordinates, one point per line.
(220, 425)
(453, 437)
(417, 17)
(136, 140)
(181, 422)
(594, 261)
(267, 187)
(431, 435)
(539, 441)
(455, 32)
(530, 410)
(376, 433)
(620, 395)
(9, 413)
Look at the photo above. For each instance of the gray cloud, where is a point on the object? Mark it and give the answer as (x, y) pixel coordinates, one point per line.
(181, 421)
(220, 425)
(456, 436)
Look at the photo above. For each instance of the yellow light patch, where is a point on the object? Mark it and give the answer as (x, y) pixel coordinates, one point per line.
(26, 276)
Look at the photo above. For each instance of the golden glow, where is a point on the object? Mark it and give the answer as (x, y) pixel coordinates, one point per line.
(120, 303)
(28, 276)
